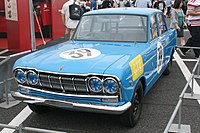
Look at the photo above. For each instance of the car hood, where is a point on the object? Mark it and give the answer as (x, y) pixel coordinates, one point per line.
(80, 57)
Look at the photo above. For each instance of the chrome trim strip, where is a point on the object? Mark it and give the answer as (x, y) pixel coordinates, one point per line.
(86, 84)
(49, 81)
(39, 79)
(72, 79)
(76, 106)
(69, 95)
(61, 84)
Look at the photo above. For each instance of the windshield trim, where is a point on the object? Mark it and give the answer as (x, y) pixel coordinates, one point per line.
(145, 41)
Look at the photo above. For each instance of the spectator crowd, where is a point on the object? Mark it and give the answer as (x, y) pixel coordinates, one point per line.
(164, 5)
(178, 10)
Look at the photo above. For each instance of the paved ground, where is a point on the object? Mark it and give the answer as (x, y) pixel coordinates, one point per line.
(158, 107)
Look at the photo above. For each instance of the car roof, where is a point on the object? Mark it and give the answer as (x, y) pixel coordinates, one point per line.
(125, 10)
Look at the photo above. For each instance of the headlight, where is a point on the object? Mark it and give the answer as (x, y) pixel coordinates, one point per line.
(32, 77)
(95, 84)
(20, 76)
(111, 86)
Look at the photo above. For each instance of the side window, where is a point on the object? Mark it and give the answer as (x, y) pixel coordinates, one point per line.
(154, 29)
(162, 24)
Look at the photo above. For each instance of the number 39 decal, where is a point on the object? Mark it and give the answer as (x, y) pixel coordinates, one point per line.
(83, 53)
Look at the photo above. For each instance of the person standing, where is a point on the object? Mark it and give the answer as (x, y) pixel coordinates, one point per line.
(116, 4)
(69, 24)
(127, 3)
(93, 5)
(141, 3)
(193, 13)
(177, 20)
(184, 7)
(169, 5)
(87, 5)
(160, 4)
(106, 4)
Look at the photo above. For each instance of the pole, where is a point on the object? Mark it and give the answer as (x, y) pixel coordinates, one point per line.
(192, 90)
(179, 118)
(33, 42)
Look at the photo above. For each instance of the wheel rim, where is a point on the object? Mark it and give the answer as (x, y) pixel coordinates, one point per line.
(136, 103)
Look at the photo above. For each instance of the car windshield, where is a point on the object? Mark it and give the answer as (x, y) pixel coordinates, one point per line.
(124, 28)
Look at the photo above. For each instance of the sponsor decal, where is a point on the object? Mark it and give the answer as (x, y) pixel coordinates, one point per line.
(82, 53)
(160, 56)
(137, 67)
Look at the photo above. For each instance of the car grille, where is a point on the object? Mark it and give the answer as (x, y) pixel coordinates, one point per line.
(63, 83)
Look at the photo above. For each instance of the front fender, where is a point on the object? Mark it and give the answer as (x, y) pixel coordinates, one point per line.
(128, 88)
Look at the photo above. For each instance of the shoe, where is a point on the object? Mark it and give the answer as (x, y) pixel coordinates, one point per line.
(182, 53)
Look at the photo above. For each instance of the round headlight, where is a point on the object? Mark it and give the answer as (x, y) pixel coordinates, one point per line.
(20, 76)
(32, 77)
(111, 86)
(95, 84)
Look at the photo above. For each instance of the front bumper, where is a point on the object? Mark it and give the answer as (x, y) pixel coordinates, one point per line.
(71, 105)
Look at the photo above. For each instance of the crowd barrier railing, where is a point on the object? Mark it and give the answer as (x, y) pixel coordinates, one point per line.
(22, 129)
(6, 78)
(181, 128)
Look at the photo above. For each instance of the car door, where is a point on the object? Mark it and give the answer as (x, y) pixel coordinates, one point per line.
(164, 40)
(159, 53)
(151, 65)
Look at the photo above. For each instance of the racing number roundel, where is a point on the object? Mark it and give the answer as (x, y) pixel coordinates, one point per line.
(160, 56)
(82, 53)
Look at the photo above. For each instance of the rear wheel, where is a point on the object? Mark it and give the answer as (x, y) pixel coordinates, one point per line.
(39, 109)
(132, 115)
(169, 68)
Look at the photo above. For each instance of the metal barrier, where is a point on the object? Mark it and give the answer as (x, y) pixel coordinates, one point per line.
(6, 78)
(21, 129)
(188, 47)
(180, 128)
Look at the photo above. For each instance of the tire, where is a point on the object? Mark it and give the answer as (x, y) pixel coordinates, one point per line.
(169, 68)
(39, 109)
(132, 115)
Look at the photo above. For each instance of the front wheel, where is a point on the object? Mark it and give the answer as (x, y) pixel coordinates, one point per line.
(132, 115)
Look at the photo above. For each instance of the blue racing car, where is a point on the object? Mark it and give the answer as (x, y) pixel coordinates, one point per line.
(113, 59)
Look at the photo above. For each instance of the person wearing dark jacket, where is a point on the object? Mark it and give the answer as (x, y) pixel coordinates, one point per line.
(106, 4)
(160, 4)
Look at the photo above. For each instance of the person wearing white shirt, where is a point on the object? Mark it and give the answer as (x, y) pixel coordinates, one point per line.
(70, 25)
(193, 17)
(169, 5)
(141, 3)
